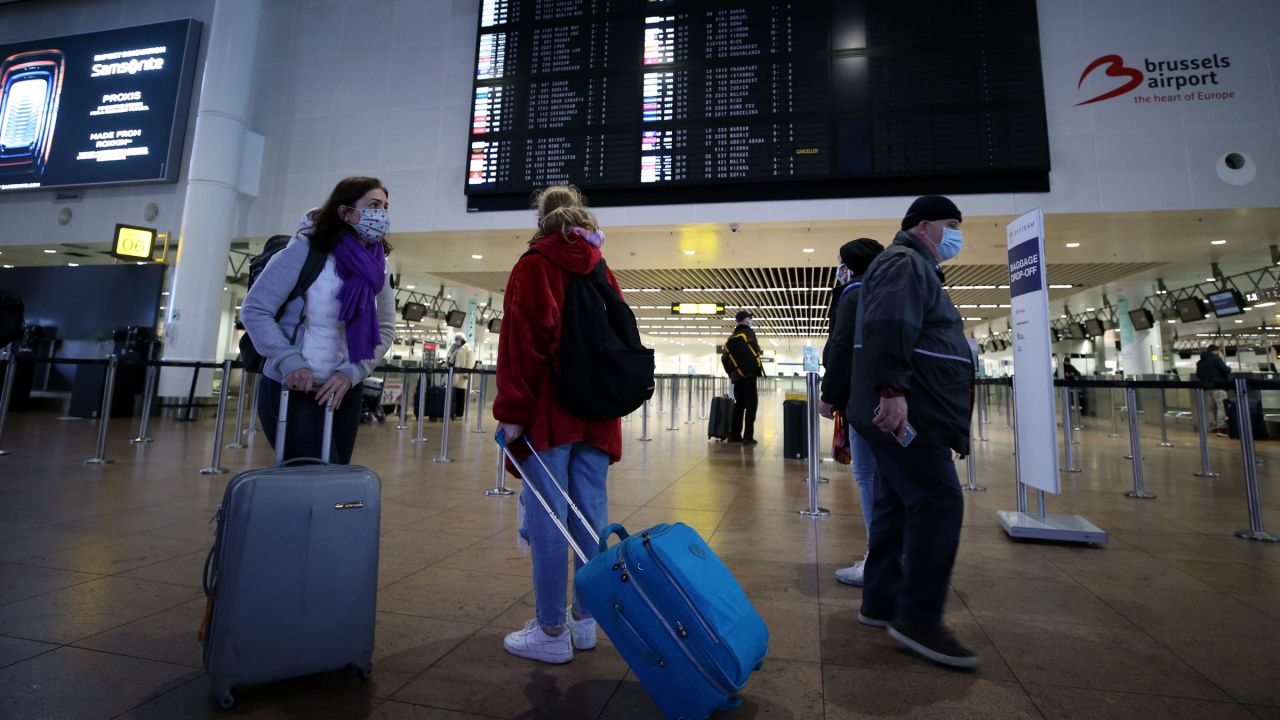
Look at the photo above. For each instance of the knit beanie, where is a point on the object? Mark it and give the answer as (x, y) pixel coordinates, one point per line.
(930, 207)
(858, 254)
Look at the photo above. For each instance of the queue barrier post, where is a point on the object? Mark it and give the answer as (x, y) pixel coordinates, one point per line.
(104, 415)
(480, 399)
(11, 367)
(215, 466)
(675, 402)
(446, 419)
(812, 479)
(1139, 491)
(422, 407)
(404, 401)
(148, 398)
(1257, 530)
(238, 443)
(1068, 435)
(644, 423)
(1202, 428)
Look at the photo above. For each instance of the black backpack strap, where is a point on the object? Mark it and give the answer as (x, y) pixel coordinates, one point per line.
(311, 269)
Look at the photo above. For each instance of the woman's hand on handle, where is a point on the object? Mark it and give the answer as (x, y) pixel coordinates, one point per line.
(336, 387)
(301, 380)
(511, 433)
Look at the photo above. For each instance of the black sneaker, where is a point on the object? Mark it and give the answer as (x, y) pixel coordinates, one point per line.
(937, 644)
(734, 438)
(749, 441)
(873, 620)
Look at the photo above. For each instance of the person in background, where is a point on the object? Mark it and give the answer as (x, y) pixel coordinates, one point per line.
(746, 400)
(837, 358)
(577, 451)
(462, 358)
(329, 339)
(1212, 370)
(1069, 371)
(912, 373)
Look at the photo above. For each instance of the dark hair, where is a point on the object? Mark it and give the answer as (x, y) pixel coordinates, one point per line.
(329, 226)
(1213, 348)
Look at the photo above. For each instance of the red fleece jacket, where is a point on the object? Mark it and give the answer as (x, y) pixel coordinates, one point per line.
(530, 342)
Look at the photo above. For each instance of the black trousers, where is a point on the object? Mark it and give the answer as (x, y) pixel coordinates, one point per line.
(915, 531)
(745, 402)
(305, 428)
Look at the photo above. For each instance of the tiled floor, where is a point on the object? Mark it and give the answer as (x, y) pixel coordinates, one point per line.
(100, 585)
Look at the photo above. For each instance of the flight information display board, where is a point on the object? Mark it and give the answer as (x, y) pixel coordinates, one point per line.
(100, 108)
(661, 101)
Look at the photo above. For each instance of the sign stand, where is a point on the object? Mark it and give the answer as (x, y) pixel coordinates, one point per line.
(1033, 402)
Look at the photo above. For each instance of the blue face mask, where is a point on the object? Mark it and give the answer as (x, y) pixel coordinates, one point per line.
(952, 241)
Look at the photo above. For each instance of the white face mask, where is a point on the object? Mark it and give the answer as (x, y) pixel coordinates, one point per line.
(374, 224)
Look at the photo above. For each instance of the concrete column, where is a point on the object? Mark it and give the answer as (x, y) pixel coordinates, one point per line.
(1141, 351)
(210, 209)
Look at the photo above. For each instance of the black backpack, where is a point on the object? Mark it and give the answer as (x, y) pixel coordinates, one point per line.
(311, 268)
(605, 371)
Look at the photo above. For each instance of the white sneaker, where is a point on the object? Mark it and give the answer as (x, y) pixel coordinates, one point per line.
(582, 631)
(534, 644)
(852, 575)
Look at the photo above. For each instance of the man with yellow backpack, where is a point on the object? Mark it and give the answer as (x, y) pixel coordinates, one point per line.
(741, 360)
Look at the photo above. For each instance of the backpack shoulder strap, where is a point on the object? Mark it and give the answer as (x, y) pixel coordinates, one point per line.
(311, 269)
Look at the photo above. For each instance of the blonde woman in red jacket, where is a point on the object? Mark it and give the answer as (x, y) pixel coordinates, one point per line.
(578, 451)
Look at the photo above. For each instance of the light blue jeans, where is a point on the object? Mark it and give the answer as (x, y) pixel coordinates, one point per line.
(863, 468)
(582, 470)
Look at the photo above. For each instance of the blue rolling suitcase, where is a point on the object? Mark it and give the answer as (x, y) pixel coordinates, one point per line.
(673, 610)
(292, 578)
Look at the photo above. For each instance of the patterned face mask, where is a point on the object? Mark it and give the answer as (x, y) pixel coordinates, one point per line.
(374, 224)
(843, 274)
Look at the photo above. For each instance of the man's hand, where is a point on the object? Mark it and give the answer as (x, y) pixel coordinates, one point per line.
(511, 432)
(336, 387)
(301, 380)
(826, 409)
(892, 416)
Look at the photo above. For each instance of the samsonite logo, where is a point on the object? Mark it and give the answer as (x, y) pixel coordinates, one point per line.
(1166, 79)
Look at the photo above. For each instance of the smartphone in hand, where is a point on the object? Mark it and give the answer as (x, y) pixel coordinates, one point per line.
(907, 436)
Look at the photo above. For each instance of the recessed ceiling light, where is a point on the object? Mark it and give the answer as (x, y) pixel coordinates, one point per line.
(73, 264)
(1239, 322)
(51, 252)
(1209, 279)
(808, 250)
(1073, 244)
(1171, 322)
(477, 257)
(689, 252)
(1090, 309)
(6, 267)
(1217, 242)
(410, 287)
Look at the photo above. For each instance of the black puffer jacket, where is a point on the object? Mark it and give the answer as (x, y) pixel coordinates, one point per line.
(837, 354)
(910, 338)
(1212, 370)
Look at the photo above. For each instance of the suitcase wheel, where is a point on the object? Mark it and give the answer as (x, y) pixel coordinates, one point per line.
(365, 671)
(226, 699)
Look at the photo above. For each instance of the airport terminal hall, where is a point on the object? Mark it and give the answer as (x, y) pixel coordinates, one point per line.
(640, 359)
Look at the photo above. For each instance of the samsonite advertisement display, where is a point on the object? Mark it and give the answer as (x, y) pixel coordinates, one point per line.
(100, 108)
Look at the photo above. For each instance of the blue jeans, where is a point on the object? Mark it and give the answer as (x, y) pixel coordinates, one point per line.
(582, 469)
(863, 468)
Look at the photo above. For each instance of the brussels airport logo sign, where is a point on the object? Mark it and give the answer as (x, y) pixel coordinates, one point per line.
(1181, 80)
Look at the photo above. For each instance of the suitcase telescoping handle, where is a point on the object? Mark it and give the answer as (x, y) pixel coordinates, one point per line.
(282, 424)
(502, 443)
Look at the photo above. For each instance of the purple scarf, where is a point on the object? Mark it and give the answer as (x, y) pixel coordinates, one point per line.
(362, 269)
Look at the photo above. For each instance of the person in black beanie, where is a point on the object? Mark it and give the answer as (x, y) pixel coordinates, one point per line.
(837, 358)
(912, 373)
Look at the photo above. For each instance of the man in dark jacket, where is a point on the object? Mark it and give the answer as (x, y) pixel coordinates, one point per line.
(912, 372)
(1213, 370)
(837, 358)
(742, 344)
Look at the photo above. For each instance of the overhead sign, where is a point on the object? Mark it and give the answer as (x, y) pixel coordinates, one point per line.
(1032, 357)
(100, 108)
(133, 243)
(697, 308)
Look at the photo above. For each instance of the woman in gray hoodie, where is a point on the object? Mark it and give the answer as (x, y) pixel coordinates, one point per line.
(324, 339)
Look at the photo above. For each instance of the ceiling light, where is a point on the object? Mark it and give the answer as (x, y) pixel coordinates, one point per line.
(1172, 322)
(477, 257)
(689, 252)
(1073, 245)
(1208, 279)
(410, 287)
(73, 264)
(1239, 322)
(807, 250)
(1217, 242)
(51, 252)
(7, 267)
